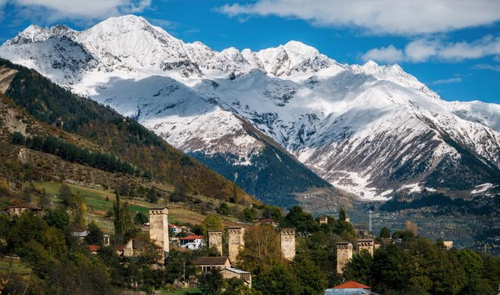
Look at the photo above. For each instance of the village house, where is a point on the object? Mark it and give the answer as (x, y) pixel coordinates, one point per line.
(80, 234)
(229, 273)
(208, 263)
(192, 242)
(18, 210)
(224, 265)
(93, 249)
(175, 229)
(349, 288)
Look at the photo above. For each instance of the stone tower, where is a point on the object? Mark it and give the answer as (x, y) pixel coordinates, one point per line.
(344, 255)
(366, 244)
(158, 233)
(288, 243)
(215, 239)
(236, 242)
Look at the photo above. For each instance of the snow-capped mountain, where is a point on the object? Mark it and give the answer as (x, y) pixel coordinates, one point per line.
(369, 129)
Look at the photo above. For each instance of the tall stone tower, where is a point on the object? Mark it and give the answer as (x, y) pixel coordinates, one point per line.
(288, 243)
(158, 233)
(366, 244)
(215, 239)
(236, 242)
(344, 255)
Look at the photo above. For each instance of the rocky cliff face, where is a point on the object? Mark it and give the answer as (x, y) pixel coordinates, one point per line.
(371, 130)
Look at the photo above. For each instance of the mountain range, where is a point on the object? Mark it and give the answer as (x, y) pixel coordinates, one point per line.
(285, 123)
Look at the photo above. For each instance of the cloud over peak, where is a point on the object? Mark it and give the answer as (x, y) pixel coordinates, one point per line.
(421, 50)
(82, 10)
(401, 17)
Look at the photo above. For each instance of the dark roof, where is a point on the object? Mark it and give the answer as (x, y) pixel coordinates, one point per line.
(27, 206)
(352, 285)
(215, 260)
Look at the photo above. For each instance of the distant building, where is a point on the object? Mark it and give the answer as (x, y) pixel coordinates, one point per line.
(18, 210)
(323, 220)
(224, 265)
(208, 263)
(245, 276)
(106, 240)
(448, 244)
(192, 242)
(93, 249)
(175, 229)
(80, 234)
(349, 288)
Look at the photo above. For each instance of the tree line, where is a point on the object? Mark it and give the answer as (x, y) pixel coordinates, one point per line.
(75, 154)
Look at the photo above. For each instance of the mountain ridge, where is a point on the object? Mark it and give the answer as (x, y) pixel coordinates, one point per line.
(372, 130)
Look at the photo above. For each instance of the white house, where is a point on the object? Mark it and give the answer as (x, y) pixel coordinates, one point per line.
(192, 242)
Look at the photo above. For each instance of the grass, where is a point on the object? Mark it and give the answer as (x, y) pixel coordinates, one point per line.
(100, 201)
(13, 266)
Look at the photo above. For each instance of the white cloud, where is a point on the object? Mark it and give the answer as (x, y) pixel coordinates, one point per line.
(389, 54)
(423, 49)
(397, 17)
(54, 10)
(487, 67)
(447, 81)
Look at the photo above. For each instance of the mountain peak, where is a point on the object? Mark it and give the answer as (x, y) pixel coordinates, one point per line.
(35, 33)
(370, 65)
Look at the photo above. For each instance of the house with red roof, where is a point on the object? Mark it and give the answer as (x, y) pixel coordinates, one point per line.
(349, 288)
(192, 242)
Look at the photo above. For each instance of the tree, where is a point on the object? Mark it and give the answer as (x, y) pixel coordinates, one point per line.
(210, 283)
(140, 218)
(303, 222)
(212, 221)
(44, 200)
(342, 214)
(26, 195)
(95, 235)
(312, 280)
(360, 268)
(385, 233)
(412, 227)
(249, 214)
(65, 195)
(124, 188)
(262, 248)
(223, 209)
(124, 229)
(152, 195)
(277, 279)
(57, 218)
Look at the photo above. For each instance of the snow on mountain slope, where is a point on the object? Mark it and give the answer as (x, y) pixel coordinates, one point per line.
(369, 129)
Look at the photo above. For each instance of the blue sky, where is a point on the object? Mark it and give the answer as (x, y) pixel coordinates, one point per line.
(451, 45)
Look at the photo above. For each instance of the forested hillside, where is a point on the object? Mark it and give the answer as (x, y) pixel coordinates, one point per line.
(106, 132)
